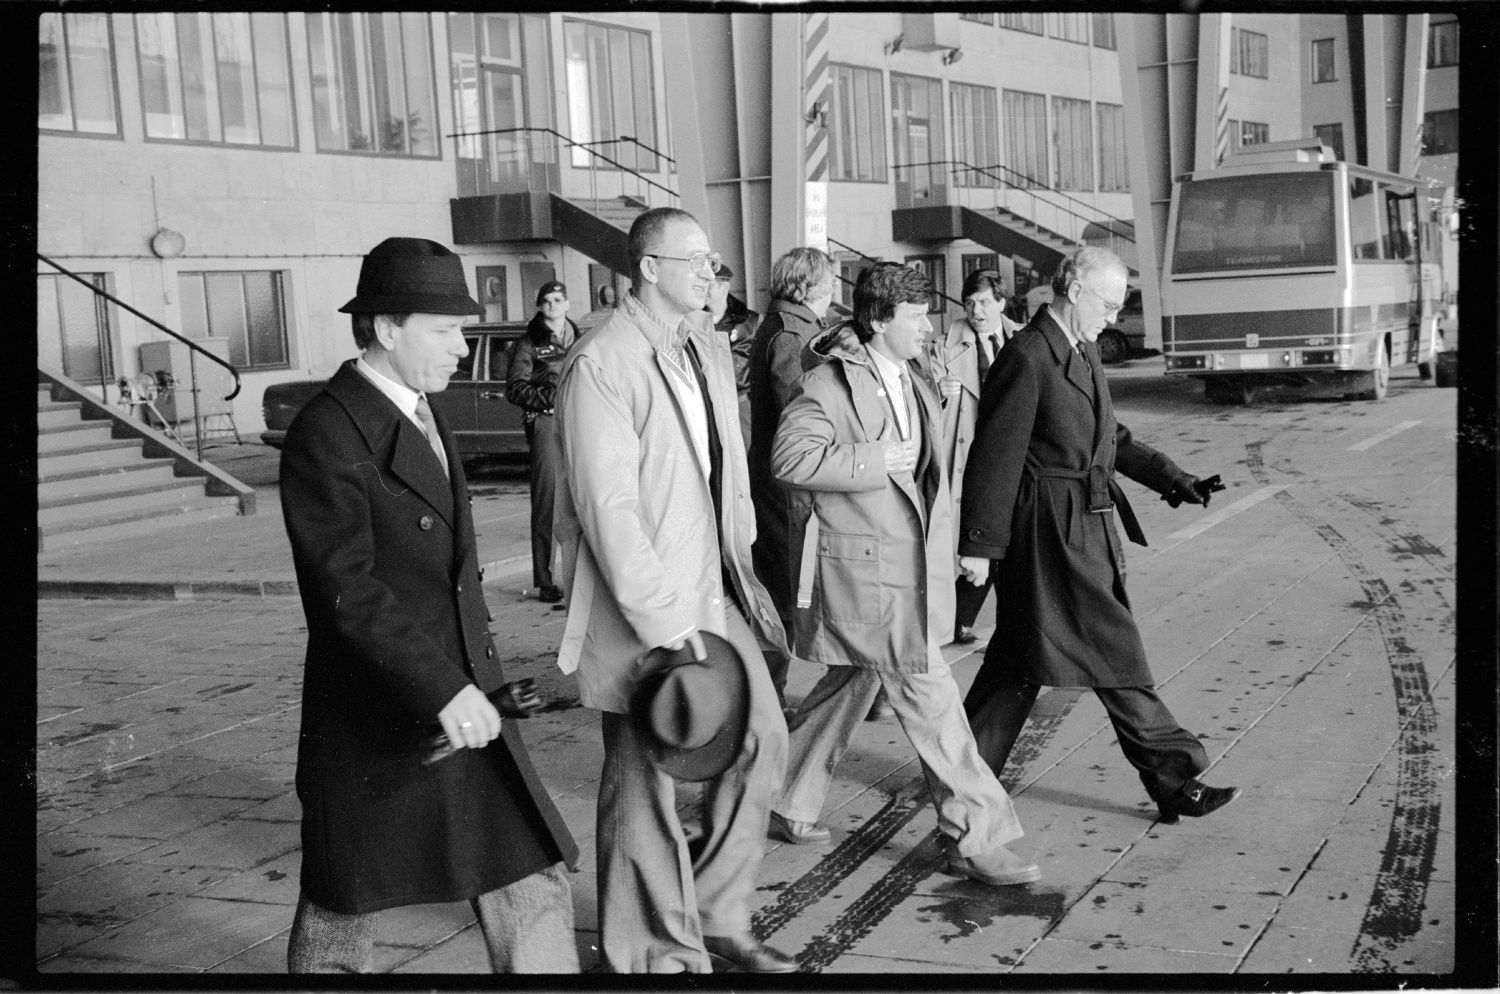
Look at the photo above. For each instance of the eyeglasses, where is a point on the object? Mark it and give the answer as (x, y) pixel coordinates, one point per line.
(697, 262)
(1109, 306)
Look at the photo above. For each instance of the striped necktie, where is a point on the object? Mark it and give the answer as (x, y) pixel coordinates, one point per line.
(424, 414)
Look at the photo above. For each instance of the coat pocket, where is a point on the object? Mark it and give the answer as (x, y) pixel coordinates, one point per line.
(849, 577)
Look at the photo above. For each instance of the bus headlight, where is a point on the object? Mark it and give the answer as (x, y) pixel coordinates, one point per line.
(1341, 355)
(1218, 361)
(1286, 358)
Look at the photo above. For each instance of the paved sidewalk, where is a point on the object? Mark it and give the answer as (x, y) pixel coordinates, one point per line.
(168, 826)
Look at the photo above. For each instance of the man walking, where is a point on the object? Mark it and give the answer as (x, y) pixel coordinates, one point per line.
(959, 363)
(531, 383)
(1040, 497)
(398, 648)
(872, 543)
(655, 525)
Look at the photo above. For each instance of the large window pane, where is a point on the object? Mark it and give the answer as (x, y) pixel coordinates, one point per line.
(1075, 148)
(1442, 43)
(245, 308)
(857, 141)
(976, 133)
(73, 328)
(1104, 30)
(75, 74)
(611, 93)
(373, 85)
(216, 78)
(1113, 176)
(1025, 117)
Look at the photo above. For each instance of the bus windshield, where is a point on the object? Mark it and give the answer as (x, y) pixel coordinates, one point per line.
(1271, 221)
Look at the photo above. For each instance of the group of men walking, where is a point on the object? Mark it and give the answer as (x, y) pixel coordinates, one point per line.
(888, 478)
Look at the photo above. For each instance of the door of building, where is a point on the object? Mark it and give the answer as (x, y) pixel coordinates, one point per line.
(917, 125)
(73, 328)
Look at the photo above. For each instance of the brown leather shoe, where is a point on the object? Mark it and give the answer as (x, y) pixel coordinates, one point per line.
(798, 833)
(999, 867)
(749, 954)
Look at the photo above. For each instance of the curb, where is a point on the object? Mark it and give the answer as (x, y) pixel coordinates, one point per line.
(491, 571)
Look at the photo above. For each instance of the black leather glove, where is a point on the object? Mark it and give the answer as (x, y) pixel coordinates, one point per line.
(1188, 489)
(516, 699)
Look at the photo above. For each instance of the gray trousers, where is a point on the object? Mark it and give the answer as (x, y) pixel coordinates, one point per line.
(527, 925)
(973, 809)
(658, 898)
(545, 441)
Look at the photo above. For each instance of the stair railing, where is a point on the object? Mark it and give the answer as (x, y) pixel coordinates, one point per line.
(1065, 217)
(594, 161)
(194, 349)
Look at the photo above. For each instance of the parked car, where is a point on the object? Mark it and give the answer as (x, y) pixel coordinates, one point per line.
(1127, 336)
(484, 423)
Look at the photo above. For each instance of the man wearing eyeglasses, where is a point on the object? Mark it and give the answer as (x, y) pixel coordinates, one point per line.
(1038, 513)
(655, 524)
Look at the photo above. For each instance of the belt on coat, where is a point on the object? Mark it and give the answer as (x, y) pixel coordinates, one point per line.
(1104, 494)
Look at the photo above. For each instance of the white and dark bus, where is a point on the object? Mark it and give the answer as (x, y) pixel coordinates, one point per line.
(1284, 265)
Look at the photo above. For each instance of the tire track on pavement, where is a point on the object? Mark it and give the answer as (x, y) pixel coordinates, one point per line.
(1393, 916)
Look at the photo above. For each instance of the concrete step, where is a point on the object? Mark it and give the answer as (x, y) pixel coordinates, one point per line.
(129, 526)
(120, 481)
(81, 434)
(62, 416)
(98, 458)
(148, 500)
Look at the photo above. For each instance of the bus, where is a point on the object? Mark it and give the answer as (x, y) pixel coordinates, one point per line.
(1284, 265)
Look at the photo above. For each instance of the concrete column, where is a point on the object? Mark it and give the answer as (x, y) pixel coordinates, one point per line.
(1413, 94)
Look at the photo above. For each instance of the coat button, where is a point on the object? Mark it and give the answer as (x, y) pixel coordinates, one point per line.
(460, 588)
(489, 652)
(425, 523)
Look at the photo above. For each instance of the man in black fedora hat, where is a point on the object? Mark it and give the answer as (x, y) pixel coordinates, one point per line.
(377, 511)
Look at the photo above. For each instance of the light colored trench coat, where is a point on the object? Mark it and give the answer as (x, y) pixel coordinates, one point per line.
(873, 550)
(639, 559)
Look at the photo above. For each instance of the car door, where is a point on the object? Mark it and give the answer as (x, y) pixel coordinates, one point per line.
(498, 422)
(457, 402)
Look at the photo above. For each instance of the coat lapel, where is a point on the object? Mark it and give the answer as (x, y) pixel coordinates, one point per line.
(411, 459)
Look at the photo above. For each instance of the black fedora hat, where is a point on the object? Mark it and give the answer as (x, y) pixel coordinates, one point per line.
(693, 713)
(412, 276)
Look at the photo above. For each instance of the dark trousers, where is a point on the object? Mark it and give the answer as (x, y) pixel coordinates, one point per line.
(1164, 753)
(545, 440)
(970, 600)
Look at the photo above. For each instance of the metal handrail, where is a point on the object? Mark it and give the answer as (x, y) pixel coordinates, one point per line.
(573, 144)
(653, 151)
(1031, 190)
(870, 258)
(193, 346)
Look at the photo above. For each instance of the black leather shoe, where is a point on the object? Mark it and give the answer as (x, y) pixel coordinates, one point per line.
(881, 709)
(964, 636)
(1195, 800)
(748, 954)
(549, 594)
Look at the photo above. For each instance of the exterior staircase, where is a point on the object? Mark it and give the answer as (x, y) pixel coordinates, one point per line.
(103, 475)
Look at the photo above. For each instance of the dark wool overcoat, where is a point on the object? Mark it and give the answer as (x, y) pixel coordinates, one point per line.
(396, 626)
(1045, 450)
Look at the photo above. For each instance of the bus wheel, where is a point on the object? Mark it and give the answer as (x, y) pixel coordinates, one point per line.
(1113, 347)
(1380, 376)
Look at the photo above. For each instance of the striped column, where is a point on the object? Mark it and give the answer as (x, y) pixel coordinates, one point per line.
(817, 104)
(1221, 126)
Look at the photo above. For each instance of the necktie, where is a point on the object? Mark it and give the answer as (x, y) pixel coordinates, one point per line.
(424, 414)
(903, 403)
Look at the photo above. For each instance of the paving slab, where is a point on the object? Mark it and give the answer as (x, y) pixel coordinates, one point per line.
(1204, 921)
(194, 933)
(1099, 957)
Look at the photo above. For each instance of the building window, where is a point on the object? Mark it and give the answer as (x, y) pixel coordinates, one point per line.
(1075, 144)
(500, 82)
(935, 268)
(76, 75)
(1440, 132)
(216, 78)
(373, 84)
(1069, 27)
(1113, 176)
(1104, 31)
(857, 147)
(1442, 43)
(1242, 133)
(917, 137)
(611, 91)
(1247, 53)
(248, 309)
(976, 17)
(1323, 70)
(1032, 24)
(73, 328)
(1025, 116)
(976, 133)
(1331, 135)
